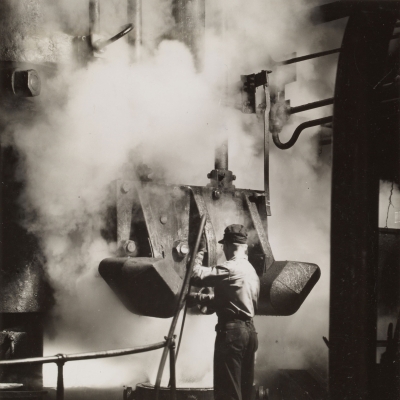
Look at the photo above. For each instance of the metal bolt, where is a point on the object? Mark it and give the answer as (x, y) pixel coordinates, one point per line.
(26, 83)
(184, 248)
(130, 246)
(163, 219)
(209, 175)
(216, 194)
(234, 177)
(125, 187)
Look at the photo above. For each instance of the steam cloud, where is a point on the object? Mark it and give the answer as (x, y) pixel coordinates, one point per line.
(92, 120)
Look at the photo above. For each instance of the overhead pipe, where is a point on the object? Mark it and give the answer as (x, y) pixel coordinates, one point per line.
(310, 106)
(307, 57)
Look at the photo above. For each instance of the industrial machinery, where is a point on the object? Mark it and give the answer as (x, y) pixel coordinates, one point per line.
(155, 224)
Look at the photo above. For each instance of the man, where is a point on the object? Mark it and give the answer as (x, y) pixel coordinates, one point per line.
(235, 299)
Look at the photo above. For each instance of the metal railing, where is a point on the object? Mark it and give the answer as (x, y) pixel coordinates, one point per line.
(61, 359)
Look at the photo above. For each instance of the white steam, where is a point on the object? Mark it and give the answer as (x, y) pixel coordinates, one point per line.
(96, 117)
(389, 205)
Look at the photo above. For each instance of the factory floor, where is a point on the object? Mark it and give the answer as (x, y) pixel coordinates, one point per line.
(87, 394)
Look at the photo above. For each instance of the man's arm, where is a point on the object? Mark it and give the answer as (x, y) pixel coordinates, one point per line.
(207, 276)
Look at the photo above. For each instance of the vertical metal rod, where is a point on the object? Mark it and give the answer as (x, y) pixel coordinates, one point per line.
(181, 300)
(172, 370)
(221, 151)
(221, 155)
(263, 115)
(60, 380)
(94, 17)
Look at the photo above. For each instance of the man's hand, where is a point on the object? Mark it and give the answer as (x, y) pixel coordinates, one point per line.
(191, 299)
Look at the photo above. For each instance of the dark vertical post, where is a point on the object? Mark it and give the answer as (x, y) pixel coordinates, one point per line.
(60, 380)
(172, 370)
(94, 17)
(355, 195)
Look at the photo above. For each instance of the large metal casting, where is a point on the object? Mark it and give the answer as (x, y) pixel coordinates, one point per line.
(155, 223)
(146, 286)
(155, 227)
(287, 284)
(355, 189)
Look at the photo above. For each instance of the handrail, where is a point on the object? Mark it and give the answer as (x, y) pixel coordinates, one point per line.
(61, 359)
(85, 356)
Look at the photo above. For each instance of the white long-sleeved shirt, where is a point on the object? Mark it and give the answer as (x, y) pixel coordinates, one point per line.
(236, 286)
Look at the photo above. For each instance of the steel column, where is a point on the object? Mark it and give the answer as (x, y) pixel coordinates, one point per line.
(355, 192)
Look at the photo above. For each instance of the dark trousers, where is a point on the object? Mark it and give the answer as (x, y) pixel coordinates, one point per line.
(235, 347)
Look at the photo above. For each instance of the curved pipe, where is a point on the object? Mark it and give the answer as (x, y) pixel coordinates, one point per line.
(103, 43)
(298, 130)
